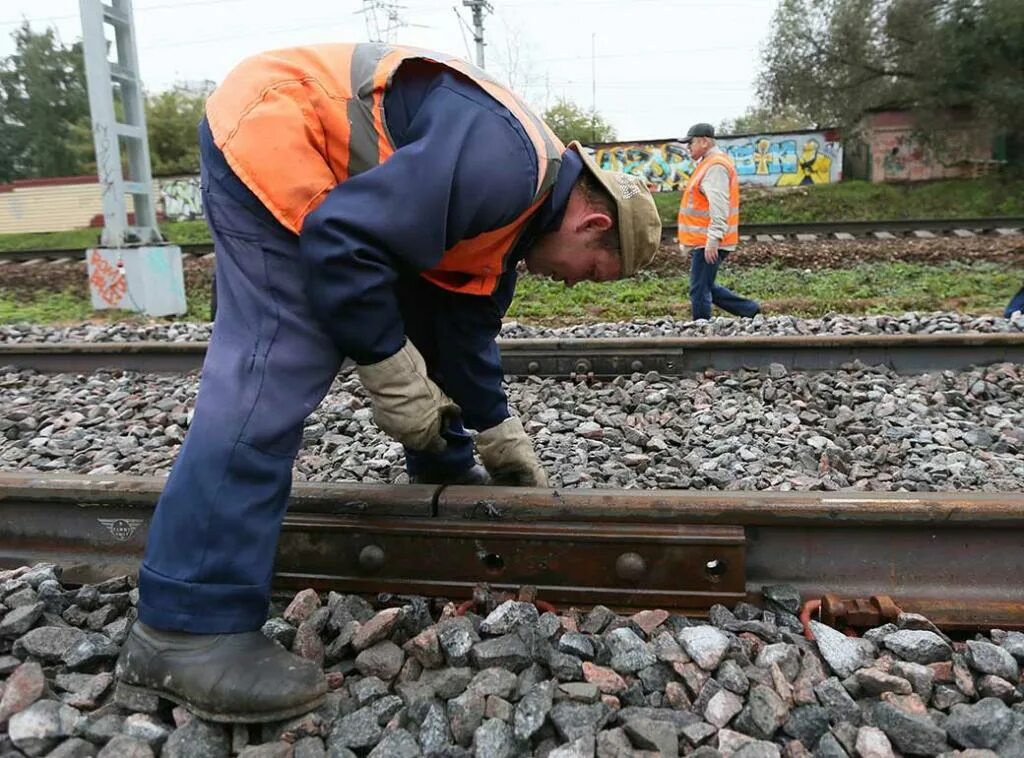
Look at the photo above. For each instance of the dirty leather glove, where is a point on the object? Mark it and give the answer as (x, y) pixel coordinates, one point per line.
(508, 455)
(407, 405)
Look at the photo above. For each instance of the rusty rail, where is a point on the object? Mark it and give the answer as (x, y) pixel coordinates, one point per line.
(600, 357)
(956, 557)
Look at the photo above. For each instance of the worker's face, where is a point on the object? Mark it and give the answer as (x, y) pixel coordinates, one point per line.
(573, 253)
(699, 146)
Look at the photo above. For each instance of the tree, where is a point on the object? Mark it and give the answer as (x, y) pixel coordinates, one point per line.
(834, 59)
(43, 99)
(758, 119)
(570, 122)
(171, 120)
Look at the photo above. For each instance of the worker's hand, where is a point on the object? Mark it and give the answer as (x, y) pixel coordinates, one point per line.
(407, 404)
(508, 455)
(711, 251)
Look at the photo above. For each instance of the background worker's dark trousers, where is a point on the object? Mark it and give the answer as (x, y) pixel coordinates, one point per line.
(704, 291)
(211, 546)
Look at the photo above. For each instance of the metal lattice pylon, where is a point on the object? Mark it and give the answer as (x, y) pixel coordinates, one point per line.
(109, 134)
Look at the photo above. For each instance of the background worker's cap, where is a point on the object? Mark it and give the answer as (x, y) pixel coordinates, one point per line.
(698, 130)
(639, 222)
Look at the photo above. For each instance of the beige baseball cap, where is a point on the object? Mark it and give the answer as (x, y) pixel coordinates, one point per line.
(639, 222)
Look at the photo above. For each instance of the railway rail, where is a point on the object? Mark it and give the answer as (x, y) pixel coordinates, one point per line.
(957, 558)
(884, 229)
(600, 357)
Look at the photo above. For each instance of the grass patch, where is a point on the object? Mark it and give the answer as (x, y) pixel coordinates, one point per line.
(72, 307)
(180, 232)
(875, 288)
(864, 201)
(866, 289)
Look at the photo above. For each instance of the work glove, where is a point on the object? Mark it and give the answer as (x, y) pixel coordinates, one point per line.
(407, 405)
(508, 455)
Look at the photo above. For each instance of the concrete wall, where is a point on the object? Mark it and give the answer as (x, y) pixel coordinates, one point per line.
(888, 151)
(781, 160)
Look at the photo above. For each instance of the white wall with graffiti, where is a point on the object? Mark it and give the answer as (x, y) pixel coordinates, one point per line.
(180, 199)
(776, 160)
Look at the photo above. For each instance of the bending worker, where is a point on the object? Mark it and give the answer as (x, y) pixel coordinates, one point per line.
(371, 202)
(709, 224)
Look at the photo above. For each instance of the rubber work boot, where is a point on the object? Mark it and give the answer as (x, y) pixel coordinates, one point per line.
(474, 475)
(235, 678)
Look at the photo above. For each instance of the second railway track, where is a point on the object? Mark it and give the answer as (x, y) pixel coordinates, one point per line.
(809, 230)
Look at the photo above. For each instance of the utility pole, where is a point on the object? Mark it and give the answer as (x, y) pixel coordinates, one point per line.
(479, 7)
(593, 86)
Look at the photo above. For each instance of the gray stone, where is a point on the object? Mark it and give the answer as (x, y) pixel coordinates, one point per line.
(507, 651)
(982, 725)
(763, 715)
(91, 649)
(659, 736)
(807, 723)
(448, 682)
(508, 616)
(19, 620)
(456, 637)
(533, 709)
(38, 728)
(576, 644)
(565, 667)
(581, 748)
(368, 689)
(358, 730)
(397, 743)
(123, 746)
(830, 747)
(872, 743)
(873, 682)
(722, 706)
(313, 747)
(919, 646)
(629, 653)
(837, 701)
(598, 618)
(197, 739)
(465, 714)
(145, 728)
(575, 720)
(383, 660)
(613, 743)
(920, 677)
(995, 686)
(843, 654)
(784, 597)
(280, 631)
(706, 645)
(268, 749)
(785, 655)
(494, 681)
(909, 733)
(48, 644)
(945, 697)
(1013, 643)
(435, 733)
(76, 747)
(494, 739)
(730, 675)
(992, 659)
(697, 733)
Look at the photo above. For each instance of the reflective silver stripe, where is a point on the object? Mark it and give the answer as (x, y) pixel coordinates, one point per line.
(696, 213)
(363, 150)
(690, 228)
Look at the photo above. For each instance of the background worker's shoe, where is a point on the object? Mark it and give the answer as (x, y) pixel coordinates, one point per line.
(238, 678)
(474, 475)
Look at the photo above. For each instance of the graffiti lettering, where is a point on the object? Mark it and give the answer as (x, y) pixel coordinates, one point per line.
(783, 160)
(181, 198)
(107, 281)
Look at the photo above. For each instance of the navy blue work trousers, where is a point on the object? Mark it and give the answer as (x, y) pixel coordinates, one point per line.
(211, 546)
(704, 291)
(1016, 304)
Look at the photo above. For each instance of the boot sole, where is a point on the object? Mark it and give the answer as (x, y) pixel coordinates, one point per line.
(128, 691)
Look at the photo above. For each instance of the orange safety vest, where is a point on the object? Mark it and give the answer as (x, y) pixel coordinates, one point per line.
(694, 210)
(293, 124)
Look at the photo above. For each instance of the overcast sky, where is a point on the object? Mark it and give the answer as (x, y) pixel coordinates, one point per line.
(660, 64)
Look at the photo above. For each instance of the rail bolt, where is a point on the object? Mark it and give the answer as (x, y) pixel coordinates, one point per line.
(582, 366)
(371, 558)
(533, 367)
(636, 365)
(630, 566)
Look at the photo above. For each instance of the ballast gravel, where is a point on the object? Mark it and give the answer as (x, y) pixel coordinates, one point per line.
(410, 677)
(862, 427)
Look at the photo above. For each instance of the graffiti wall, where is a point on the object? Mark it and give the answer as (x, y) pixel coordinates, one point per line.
(180, 198)
(780, 160)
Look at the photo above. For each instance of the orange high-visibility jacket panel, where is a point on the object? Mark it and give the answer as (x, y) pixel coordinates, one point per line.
(694, 209)
(295, 123)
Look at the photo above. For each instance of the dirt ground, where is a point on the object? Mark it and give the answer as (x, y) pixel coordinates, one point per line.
(17, 278)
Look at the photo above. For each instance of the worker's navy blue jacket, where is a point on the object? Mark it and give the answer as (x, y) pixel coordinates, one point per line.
(463, 166)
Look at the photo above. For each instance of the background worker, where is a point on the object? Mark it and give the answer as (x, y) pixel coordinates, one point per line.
(709, 219)
(372, 202)
(1016, 305)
